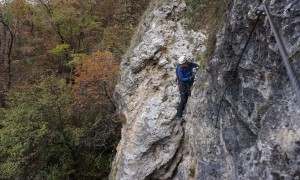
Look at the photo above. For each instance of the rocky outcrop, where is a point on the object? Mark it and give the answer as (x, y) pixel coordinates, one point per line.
(152, 140)
(258, 135)
(259, 120)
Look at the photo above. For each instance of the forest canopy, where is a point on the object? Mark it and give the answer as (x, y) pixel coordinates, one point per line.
(59, 65)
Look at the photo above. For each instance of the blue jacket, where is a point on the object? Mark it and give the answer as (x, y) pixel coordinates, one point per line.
(185, 74)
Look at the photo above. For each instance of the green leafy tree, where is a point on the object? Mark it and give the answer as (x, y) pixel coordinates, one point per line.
(47, 132)
(36, 131)
(40, 139)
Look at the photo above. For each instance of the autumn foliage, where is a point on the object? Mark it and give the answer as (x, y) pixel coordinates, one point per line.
(59, 62)
(95, 78)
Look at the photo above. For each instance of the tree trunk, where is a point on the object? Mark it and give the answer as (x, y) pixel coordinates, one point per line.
(2, 45)
(9, 51)
(8, 45)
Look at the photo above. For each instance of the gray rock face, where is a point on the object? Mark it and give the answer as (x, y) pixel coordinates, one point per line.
(259, 118)
(259, 133)
(152, 139)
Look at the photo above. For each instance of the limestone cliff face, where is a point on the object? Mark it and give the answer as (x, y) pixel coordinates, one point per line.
(259, 134)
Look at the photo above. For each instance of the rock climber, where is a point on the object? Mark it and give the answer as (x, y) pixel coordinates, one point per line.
(185, 76)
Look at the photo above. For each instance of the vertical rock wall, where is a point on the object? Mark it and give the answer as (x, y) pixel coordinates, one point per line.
(151, 141)
(259, 133)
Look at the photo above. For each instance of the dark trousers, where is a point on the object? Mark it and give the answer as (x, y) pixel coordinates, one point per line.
(185, 92)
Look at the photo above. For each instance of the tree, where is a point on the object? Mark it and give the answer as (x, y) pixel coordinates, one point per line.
(95, 79)
(67, 21)
(63, 125)
(7, 45)
(40, 139)
(36, 131)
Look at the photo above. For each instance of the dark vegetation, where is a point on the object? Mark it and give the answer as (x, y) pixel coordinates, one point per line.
(207, 15)
(59, 62)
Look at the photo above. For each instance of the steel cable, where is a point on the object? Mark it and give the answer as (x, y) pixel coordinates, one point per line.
(235, 70)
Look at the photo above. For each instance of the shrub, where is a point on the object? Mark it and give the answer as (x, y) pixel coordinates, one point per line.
(208, 15)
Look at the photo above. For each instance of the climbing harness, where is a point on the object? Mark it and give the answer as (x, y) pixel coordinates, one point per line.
(263, 10)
